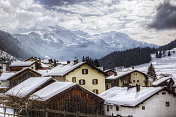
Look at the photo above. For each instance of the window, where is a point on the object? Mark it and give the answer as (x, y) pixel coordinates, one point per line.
(74, 79)
(133, 80)
(163, 93)
(95, 81)
(137, 80)
(130, 116)
(107, 107)
(82, 82)
(143, 107)
(84, 71)
(117, 108)
(95, 91)
(167, 104)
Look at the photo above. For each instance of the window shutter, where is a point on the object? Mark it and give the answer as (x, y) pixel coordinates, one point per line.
(93, 81)
(97, 81)
(80, 82)
(86, 71)
(72, 79)
(82, 71)
(83, 82)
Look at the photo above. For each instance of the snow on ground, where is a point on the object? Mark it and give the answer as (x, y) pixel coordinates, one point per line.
(164, 65)
(8, 111)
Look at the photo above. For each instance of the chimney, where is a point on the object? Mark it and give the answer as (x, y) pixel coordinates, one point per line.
(75, 61)
(115, 74)
(137, 87)
(68, 62)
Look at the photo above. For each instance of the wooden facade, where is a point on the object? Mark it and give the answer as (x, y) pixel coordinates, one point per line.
(21, 76)
(18, 68)
(74, 99)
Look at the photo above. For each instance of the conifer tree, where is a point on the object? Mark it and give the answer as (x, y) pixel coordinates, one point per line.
(96, 63)
(83, 60)
(55, 64)
(151, 72)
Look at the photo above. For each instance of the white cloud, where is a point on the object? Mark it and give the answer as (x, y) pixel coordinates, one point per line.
(96, 16)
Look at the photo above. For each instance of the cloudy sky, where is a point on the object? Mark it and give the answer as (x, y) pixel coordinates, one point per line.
(152, 21)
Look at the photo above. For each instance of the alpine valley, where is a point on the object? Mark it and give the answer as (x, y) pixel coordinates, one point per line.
(62, 44)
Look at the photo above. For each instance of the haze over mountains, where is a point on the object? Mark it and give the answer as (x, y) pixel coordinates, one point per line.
(63, 44)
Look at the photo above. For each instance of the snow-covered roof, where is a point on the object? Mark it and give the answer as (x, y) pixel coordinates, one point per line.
(46, 61)
(44, 65)
(51, 90)
(61, 70)
(22, 64)
(122, 96)
(174, 85)
(26, 87)
(161, 80)
(5, 76)
(109, 70)
(121, 74)
(62, 62)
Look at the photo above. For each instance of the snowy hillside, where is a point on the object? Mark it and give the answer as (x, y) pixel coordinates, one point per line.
(164, 65)
(60, 43)
(7, 56)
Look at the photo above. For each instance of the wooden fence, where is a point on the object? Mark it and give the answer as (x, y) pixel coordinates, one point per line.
(47, 111)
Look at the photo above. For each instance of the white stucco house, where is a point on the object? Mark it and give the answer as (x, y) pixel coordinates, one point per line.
(139, 102)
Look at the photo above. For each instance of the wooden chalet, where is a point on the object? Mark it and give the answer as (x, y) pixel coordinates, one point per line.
(30, 86)
(21, 65)
(18, 77)
(68, 97)
(109, 72)
(33, 59)
(128, 78)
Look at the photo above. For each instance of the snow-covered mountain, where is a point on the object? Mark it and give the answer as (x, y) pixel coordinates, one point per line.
(12, 46)
(61, 43)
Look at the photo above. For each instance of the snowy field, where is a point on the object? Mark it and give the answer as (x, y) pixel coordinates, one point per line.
(164, 65)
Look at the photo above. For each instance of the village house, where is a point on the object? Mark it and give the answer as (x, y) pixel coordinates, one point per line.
(68, 97)
(110, 72)
(63, 62)
(47, 62)
(127, 78)
(4, 66)
(17, 66)
(166, 81)
(33, 59)
(9, 80)
(29, 86)
(81, 73)
(139, 102)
